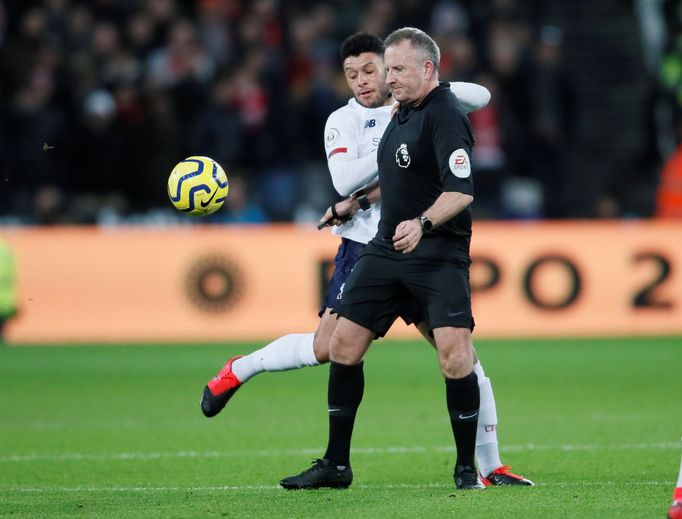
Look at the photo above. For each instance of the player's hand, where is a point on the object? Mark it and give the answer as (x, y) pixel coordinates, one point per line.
(344, 212)
(407, 235)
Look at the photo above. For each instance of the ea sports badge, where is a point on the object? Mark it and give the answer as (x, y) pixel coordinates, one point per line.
(459, 163)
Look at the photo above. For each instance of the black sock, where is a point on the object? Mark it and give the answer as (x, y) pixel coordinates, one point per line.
(346, 385)
(464, 399)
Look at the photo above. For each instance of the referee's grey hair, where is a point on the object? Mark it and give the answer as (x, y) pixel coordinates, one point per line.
(419, 40)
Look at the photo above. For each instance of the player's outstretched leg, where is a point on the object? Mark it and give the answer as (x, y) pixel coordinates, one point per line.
(292, 351)
(493, 472)
(321, 475)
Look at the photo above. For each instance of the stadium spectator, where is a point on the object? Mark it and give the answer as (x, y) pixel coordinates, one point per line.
(218, 128)
(552, 95)
(238, 207)
(669, 194)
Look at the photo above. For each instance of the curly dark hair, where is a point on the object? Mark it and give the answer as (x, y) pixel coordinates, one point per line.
(361, 42)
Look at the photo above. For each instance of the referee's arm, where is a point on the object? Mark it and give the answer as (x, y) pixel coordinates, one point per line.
(448, 205)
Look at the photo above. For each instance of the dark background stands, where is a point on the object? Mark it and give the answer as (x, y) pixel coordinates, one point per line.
(586, 102)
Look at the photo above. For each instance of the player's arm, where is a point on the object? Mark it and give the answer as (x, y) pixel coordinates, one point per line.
(344, 210)
(471, 95)
(349, 171)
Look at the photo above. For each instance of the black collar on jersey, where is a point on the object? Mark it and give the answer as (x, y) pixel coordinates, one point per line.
(404, 111)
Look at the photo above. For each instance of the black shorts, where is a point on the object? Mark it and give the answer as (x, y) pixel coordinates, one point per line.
(380, 284)
(346, 258)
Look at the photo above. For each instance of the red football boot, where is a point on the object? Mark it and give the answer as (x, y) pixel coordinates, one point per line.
(503, 476)
(219, 390)
(675, 510)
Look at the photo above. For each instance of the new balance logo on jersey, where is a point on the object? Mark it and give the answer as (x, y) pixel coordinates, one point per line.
(402, 156)
(371, 123)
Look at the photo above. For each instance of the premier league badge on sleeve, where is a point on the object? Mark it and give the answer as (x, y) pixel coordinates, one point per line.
(332, 137)
(402, 156)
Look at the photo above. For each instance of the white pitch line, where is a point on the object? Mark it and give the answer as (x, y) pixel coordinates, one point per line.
(364, 486)
(135, 456)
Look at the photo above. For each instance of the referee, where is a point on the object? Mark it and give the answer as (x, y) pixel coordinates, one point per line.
(420, 252)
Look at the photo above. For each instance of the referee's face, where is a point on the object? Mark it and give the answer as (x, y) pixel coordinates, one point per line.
(366, 78)
(407, 73)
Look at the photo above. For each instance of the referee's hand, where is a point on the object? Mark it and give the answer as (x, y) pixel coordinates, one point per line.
(407, 235)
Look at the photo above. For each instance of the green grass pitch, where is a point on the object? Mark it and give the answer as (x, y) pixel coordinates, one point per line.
(114, 431)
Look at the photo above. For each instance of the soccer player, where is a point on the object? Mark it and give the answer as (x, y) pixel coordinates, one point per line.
(675, 510)
(352, 135)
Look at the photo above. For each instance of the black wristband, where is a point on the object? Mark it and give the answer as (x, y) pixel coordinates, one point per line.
(334, 213)
(363, 201)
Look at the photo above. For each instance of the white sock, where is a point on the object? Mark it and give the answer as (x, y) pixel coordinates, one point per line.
(292, 351)
(487, 448)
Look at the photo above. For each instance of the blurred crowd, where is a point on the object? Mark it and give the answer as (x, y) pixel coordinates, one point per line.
(100, 98)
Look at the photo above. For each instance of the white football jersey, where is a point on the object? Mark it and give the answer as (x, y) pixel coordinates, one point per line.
(353, 132)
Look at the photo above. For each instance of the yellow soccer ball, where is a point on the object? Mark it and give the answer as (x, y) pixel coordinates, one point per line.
(198, 186)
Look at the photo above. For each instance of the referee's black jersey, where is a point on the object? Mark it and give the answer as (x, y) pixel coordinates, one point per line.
(424, 152)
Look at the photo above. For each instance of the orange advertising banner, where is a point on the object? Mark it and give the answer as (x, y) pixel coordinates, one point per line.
(193, 284)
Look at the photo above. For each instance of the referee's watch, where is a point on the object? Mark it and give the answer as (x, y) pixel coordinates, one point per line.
(427, 224)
